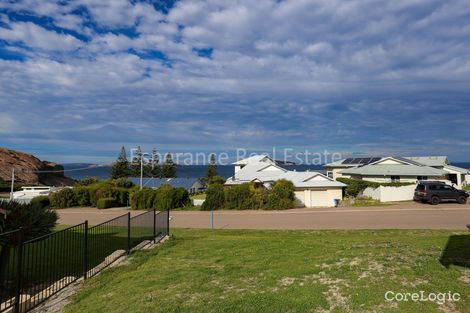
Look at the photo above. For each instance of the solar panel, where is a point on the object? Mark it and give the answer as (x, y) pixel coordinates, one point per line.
(362, 161)
(346, 161)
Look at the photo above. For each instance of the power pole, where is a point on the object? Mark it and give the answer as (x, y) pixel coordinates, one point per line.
(141, 171)
(12, 183)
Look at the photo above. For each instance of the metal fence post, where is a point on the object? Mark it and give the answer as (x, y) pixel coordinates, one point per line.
(85, 261)
(128, 232)
(168, 223)
(19, 265)
(154, 225)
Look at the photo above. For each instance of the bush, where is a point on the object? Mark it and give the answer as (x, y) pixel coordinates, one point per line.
(87, 181)
(64, 198)
(123, 182)
(41, 201)
(239, 197)
(182, 198)
(165, 198)
(82, 196)
(356, 186)
(105, 203)
(215, 198)
(282, 196)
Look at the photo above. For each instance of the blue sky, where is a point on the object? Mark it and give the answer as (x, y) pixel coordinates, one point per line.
(79, 79)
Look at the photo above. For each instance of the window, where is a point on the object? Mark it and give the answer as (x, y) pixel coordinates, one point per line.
(422, 178)
(329, 174)
(395, 179)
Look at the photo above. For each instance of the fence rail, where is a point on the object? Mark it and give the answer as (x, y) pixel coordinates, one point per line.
(33, 270)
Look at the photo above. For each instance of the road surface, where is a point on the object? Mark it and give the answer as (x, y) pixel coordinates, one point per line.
(397, 216)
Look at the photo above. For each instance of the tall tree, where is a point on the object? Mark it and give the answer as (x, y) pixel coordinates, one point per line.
(120, 168)
(135, 162)
(212, 167)
(154, 166)
(169, 167)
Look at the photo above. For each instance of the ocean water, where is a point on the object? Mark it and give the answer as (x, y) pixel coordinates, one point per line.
(77, 171)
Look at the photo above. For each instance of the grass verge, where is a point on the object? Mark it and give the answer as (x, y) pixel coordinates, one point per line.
(285, 271)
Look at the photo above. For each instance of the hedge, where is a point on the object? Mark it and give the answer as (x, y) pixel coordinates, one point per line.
(282, 196)
(89, 196)
(356, 186)
(41, 201)
(105, 203)
(246, 196)
(215, 198)
(163, 198)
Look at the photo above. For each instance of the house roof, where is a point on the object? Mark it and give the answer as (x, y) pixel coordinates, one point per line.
(264, 172)
(186, 183)
(457, 169)
(255, 159)
(394, 169)
(430, 160)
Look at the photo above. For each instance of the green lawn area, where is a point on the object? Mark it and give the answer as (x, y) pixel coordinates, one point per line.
(201, 196)
(285, 271)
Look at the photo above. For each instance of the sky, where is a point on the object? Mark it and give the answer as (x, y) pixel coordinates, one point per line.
(79, 79)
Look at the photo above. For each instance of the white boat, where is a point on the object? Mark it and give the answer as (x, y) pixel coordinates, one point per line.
(29, 192)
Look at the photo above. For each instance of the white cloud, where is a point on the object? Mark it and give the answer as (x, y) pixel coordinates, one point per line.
(276, 69)
(35, 36)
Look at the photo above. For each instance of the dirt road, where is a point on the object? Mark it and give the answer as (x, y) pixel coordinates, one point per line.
(397, 216)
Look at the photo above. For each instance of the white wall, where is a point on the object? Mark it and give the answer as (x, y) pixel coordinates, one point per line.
(311, 198)
(390, 194)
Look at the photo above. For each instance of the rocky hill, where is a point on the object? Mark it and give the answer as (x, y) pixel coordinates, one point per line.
(26, 169)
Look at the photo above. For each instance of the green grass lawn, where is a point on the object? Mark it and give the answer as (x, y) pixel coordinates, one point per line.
(201, 196)
(285, 271)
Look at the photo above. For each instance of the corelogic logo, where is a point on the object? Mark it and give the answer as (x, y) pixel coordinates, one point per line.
(422, 296)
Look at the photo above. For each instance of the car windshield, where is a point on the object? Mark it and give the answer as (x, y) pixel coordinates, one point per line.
(420, 187)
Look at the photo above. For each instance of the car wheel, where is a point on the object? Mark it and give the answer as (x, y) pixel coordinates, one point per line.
(462, 200)
(435, 200)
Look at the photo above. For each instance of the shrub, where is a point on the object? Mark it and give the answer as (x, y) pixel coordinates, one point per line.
(182, 198)
(41, 201)
(143, 199)
(239, 197)
(64, 198)
(216, 180)
(87, 181)
(82, 196)
(165, 198)
(215, 198)
(356, 186)
(105, 203)
(282, 196)
(123, 182)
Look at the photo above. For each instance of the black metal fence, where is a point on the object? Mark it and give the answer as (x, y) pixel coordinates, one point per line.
(32, 271)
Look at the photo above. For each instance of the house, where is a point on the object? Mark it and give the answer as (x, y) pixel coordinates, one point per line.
(398, 169)
(192, 185)
(312, 189)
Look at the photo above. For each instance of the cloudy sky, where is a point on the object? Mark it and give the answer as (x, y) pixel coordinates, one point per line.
(79, 79)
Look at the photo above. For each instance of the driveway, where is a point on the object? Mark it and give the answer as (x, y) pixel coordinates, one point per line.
(396, 216)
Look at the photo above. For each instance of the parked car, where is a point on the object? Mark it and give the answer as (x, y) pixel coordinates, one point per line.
(435, 192)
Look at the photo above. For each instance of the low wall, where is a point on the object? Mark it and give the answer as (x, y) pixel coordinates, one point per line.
(390, 194)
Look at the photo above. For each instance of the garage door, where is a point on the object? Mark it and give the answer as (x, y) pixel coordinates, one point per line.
(319, 198)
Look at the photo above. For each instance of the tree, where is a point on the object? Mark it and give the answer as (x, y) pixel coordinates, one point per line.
(34, 219)
(282, 195)
(120, 168)
(135, 162)
(169, 167)
(215, 198)
(211, 168)
(154, 169)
